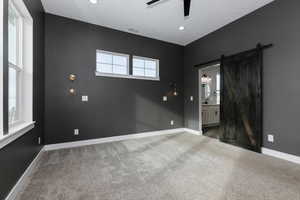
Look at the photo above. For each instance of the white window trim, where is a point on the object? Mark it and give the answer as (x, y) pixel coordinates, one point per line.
(15, 133)
(157, 68)
(26, 81)
(20, 36)
(114, 54)
(19, 95)
(128, 75)
(19, 66)
(1, 68)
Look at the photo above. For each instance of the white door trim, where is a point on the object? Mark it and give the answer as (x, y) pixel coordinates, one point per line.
(194, 132)
(200, 99)
(212, 67)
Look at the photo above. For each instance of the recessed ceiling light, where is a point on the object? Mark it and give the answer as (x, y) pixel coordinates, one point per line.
(181, 28)
(93, 1)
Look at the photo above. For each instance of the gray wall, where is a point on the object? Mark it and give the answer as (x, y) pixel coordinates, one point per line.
(116, 106)
(16, 157)
(276, 23)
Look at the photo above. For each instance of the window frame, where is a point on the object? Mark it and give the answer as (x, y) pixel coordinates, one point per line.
(18, 97)
(20, 36)
(129, 74)
(18, 66)
(1, 68)
(98, 73)
(147, 59)
(25, 85)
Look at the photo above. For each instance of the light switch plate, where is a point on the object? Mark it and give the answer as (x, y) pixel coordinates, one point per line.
(85, 98)
(172, 122)
(271, 138)
(192, 98)
(76, 131)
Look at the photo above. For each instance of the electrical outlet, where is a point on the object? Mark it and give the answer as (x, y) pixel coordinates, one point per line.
(165, 98)
(192, 98)
(76, 131)
(84, 98)
(271, 138)
(172, 122)
(39, 140)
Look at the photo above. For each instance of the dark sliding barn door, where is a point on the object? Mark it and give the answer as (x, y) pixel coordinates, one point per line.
(241, 100)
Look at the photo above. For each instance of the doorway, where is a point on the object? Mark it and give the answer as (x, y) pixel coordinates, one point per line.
(210, 94)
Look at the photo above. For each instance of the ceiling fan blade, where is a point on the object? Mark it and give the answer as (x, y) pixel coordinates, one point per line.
(152, 2)
(187, 6)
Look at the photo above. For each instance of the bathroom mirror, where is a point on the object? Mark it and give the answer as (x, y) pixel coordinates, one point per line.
(206, 91)
(206, 87)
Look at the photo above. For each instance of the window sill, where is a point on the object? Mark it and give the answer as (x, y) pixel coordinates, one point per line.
(127, 76)
(16, 132)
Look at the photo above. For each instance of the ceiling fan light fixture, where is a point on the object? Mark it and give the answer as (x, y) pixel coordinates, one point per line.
(93, 1)
(186, 5)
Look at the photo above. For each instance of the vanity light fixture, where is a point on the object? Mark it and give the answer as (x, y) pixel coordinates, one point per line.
(205, 79)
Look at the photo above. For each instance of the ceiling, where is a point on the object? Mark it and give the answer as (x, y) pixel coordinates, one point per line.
(161, 21)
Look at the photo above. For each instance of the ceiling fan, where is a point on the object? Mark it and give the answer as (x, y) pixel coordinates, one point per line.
(187, 5)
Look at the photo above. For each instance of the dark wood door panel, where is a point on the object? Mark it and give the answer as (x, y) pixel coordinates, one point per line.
(241, 100)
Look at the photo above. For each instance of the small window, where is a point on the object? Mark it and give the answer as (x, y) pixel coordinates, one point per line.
(117, 65)
(145, 67)
(112, 63)
(20, 59)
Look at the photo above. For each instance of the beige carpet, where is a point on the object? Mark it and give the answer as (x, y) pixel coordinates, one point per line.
(173, 167)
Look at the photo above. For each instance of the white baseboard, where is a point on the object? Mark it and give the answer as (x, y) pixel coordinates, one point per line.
(281, 155)
(193, 131)
(23, 181)
(111, 139)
